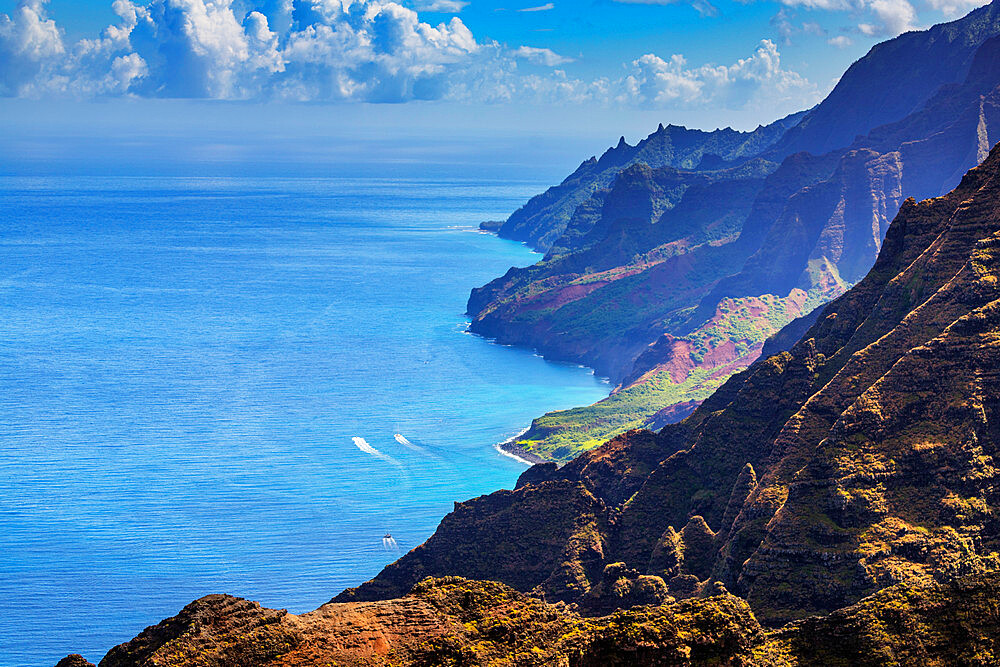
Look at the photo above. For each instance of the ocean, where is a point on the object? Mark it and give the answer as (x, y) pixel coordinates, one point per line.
(202, 381)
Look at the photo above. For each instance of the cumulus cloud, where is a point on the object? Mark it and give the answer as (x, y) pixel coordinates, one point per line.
(749, 83)
(348, 50)
(331, 49)
(894, 16)
(840, 41)
(28, 42)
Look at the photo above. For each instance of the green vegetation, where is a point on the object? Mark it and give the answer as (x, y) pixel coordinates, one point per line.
(745, 323)
(560, 436)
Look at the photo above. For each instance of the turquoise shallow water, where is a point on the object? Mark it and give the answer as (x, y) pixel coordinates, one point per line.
(185, 362)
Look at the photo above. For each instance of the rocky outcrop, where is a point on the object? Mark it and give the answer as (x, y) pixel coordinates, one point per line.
(214, 631)
(74, 660)
(453, 621)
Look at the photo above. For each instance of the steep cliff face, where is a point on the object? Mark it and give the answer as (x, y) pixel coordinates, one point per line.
(860, 458)
(543, 219)
(800, 237)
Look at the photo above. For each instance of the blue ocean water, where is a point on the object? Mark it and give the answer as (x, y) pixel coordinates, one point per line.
(186, 362)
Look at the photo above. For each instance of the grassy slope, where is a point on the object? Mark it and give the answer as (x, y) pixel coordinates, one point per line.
(748, 322)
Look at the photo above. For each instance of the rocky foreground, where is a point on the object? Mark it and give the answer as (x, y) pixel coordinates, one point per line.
(455, 621)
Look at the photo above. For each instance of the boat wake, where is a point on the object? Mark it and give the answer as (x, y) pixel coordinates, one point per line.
(363, 445)
(409, 444)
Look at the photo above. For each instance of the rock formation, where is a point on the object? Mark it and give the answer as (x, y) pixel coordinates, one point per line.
(454, 621)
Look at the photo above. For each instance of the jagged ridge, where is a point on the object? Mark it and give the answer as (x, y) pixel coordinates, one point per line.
(543, 219)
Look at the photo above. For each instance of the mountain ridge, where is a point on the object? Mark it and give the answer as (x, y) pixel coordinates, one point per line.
(543, 219)
(669, 297)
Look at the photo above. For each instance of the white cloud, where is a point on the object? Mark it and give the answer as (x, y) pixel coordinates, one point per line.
(828, 5)
(442, 6)
(748, 83)
(28, 42)
(953, 8)
(371, 50)
(896, 16)
(548, 6)
(840, 41)
(350, 50)
(883, 17)
(785, 22)
(546, 57)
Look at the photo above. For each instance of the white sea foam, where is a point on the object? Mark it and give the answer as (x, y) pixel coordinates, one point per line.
(500, 448)
(511, 455)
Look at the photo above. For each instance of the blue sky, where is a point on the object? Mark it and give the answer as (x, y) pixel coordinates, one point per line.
(587, 63)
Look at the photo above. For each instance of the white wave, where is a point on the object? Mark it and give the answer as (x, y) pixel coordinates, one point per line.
(511, 455)
(500, 447)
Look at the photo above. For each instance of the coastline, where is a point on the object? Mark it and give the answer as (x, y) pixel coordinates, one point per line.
(509, 449)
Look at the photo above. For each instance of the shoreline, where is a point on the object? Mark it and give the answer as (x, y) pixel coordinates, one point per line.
(509, 449)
